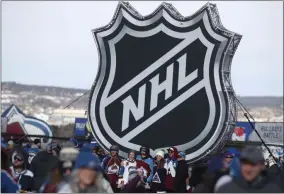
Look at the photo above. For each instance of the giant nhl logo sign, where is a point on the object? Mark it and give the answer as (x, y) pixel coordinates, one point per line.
(164, 80)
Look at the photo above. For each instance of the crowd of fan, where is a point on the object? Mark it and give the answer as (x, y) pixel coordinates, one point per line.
(66, 168)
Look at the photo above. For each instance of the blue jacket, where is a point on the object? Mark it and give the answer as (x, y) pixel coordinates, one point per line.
(149, 161)
(8, 185)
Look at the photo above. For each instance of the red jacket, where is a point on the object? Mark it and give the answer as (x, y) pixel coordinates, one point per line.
(145, 166)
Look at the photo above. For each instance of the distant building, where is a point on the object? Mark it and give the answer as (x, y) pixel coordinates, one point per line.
(69, 112)
(66, 116)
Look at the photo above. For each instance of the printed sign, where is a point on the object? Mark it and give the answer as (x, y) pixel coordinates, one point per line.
(80, 127)
(271, 133)
(161, 81)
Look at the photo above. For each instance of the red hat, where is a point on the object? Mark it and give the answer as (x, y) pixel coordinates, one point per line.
(175, 150)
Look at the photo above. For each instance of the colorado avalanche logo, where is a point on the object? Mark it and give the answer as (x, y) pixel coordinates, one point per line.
(164, 80)
(21, 124)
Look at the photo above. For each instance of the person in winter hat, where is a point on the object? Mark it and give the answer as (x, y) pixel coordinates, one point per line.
(181, 180)
(67, 158)
(42, 165)
(170, 166)
(214, 171)
(252, 179)
(23, 176)
(62, 173)
(144, 167)
(125, 165)
(146, 157)
(228, 158)
(159, 173)
(111, 166)
(86, 176)
(234, 172)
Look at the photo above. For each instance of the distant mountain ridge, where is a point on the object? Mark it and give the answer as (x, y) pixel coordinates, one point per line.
(17, 88)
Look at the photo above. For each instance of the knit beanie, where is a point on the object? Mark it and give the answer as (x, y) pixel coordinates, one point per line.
(86, 159)
(160, 153)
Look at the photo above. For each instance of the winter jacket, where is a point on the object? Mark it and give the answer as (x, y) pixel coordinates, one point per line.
(132, 187)
(170, 166)
(145, 168)
(273, 170)
(279, 180)
(209, 180)
(25, 179)
(181, 176)
(111, 166)
(42, 159)
(8, 184)
(196, 176)
(123, 171)
(100, 186)
(50, 186)
(159, 179)
(260, 185)
(150, 162)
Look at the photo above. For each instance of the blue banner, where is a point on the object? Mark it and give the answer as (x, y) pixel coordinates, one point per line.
(80, 127)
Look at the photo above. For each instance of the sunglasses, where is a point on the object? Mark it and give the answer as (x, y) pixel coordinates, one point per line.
(170, 152)
(229, 157)
(17, 158)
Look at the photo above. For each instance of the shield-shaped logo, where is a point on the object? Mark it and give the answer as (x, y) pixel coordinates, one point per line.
(163, 80)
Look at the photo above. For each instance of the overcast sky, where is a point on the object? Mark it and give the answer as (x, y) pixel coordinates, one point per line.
(50, 43)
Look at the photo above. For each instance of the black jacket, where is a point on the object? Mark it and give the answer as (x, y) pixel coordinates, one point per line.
(41, 165)
(159, 178)
(273, 170)
(131, 186)
(181, 176)
(261, 185)
(25, 179)
(279, 180)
